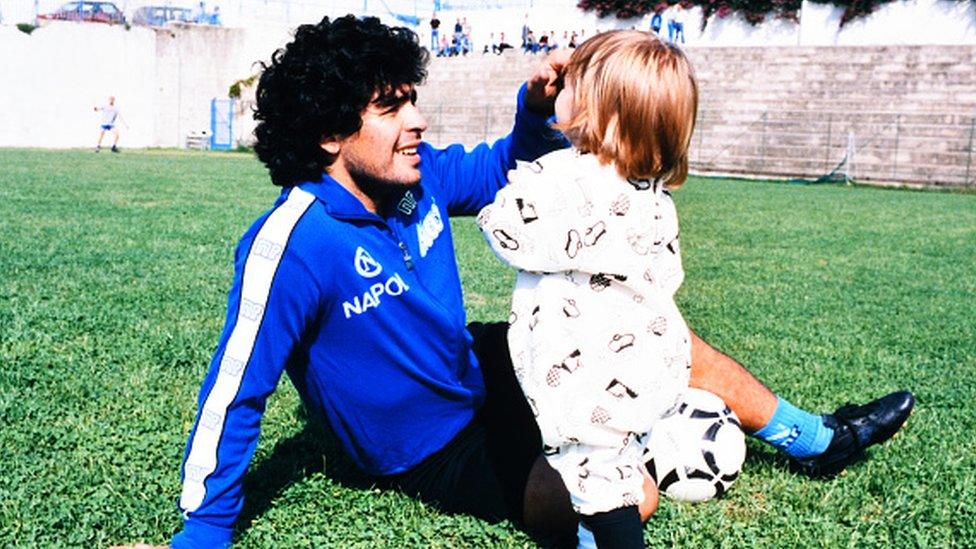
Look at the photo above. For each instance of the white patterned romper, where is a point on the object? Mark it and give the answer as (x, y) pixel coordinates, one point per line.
(597, 342)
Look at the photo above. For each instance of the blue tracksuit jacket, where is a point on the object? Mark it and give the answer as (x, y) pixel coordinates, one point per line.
(363, 311)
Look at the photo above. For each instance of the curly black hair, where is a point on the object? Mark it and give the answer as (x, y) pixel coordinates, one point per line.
(319, 84)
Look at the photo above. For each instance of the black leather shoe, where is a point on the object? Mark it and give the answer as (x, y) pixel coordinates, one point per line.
(856, 428)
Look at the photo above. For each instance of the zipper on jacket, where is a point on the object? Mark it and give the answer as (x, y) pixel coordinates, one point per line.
(406, 254)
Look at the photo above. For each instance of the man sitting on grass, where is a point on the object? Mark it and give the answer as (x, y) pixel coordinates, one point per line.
(349, 283)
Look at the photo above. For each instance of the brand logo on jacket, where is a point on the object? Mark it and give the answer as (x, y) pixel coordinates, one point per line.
(267, 249)
(251, 310)
(231, 366)
(407, 204)
(429, 229)
(371, 298)
(366, 266)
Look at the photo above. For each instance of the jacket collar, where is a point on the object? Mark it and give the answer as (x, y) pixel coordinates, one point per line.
(341, 204)
(338, 201)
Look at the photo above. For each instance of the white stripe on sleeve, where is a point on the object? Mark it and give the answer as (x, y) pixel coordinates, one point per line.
(259, 270)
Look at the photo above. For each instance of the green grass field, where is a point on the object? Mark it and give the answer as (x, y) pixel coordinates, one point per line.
(113, 276)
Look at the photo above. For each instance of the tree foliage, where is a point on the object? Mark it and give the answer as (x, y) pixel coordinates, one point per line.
(753, 11)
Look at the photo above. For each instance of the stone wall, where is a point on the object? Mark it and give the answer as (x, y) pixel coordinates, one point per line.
(898, 114)
(907, 112)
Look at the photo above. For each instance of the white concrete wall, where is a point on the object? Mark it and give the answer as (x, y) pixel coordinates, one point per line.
(904, 22)
(196, 64)
(237, 13)
(163, 80)
(51, 81)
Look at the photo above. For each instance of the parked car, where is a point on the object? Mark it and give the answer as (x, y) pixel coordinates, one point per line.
(157, 16)
(95, 12)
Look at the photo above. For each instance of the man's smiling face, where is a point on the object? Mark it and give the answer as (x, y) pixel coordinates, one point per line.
(383, 153)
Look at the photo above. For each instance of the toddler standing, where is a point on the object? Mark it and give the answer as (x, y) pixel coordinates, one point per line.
(597, 342)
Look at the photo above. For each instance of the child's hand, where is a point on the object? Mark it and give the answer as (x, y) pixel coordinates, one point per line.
(542, 87)
(513, 175)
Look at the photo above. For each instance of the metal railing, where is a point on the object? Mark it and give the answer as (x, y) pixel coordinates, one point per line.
(932, 149)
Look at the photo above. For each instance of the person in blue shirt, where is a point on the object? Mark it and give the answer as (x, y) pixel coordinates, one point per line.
(656, 23)
(201, 14)
(349, 285)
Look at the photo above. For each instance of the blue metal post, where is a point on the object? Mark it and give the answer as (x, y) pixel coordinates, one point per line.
(213, 123)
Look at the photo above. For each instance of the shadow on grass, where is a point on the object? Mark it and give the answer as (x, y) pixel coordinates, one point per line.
(315, 450)
(778, 461)
(756, 454)
(312, 450)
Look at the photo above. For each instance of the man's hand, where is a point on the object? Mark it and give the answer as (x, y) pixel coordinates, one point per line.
(544, 85)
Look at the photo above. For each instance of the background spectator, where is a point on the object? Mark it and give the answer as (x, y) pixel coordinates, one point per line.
(553, 41)
(676, 25)
(466, 44)
(201, 16)
(435, 24)
(529, 45)
(445, 47)
(491, 46)
(503, 44)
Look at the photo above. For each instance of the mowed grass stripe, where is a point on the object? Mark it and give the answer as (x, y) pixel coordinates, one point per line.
(113, 278)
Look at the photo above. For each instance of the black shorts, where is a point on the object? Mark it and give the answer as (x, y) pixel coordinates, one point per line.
(483, 470)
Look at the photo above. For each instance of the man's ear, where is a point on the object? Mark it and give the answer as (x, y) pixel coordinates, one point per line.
(330, 145)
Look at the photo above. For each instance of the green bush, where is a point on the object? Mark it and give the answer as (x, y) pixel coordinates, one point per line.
(235, 90)
(753, 11)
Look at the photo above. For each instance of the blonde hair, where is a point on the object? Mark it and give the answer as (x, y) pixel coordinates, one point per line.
(635, 103)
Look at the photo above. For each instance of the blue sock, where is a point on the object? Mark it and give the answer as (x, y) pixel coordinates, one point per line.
(795, 432)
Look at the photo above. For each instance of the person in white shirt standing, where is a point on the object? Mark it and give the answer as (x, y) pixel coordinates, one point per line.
(111, 117)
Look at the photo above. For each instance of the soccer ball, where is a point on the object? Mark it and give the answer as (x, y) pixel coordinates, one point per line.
(696, 453)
